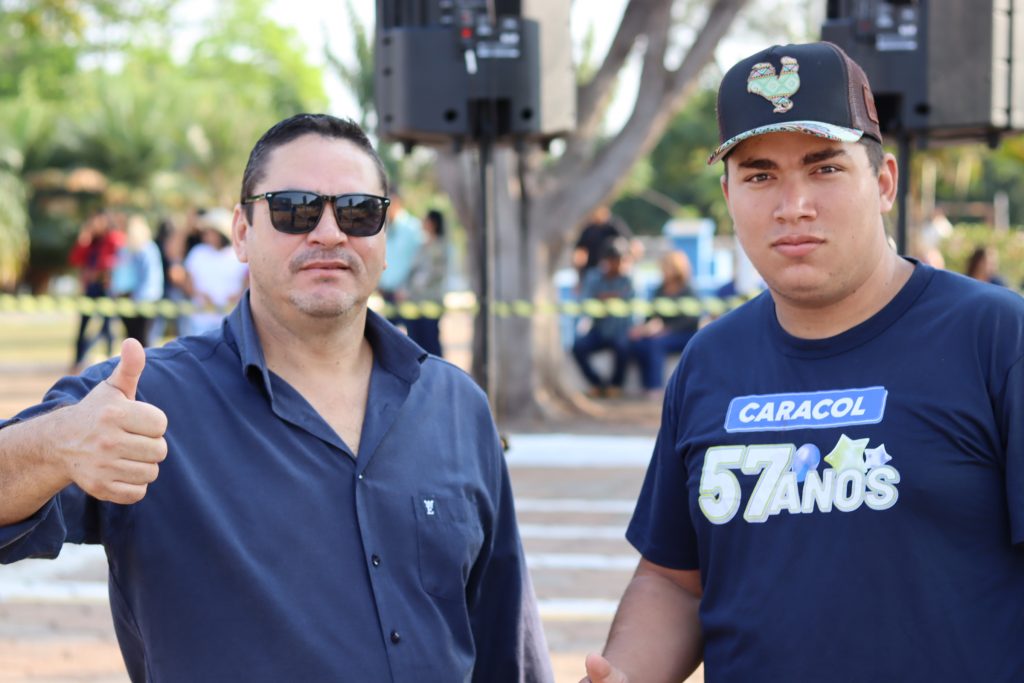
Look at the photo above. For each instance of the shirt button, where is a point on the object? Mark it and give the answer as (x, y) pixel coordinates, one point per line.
(360, 477)
(395, 637)
(375, 560)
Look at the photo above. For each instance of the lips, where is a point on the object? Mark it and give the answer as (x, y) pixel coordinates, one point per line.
(325, 265)
(797, 245)
(324, 261)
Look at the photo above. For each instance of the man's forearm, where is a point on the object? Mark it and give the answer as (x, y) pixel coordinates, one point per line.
(656, 634)
(30, 471)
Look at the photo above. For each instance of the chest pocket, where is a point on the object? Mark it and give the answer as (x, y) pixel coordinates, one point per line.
(449, 537)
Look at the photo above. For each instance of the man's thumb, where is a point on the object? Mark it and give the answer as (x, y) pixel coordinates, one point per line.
(600, 670)
(125, 376)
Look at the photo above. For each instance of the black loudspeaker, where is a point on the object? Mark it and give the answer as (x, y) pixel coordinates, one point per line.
(454, 70)
(940, 69)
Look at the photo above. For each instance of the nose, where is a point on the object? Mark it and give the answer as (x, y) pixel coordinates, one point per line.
(327, 232)
(794, 201)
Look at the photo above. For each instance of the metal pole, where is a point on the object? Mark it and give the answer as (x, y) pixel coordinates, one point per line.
(903, 190)
(488, 364)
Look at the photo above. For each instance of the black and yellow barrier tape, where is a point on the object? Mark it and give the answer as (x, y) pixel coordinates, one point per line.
(459, 302)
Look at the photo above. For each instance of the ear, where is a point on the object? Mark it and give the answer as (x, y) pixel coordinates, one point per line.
(888, 181)
(240, 234)
(724, 180)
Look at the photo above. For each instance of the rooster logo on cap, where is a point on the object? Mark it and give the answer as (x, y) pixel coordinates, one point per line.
(776, 89)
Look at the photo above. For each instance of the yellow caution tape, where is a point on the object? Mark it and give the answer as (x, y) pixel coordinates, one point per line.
(463, 302)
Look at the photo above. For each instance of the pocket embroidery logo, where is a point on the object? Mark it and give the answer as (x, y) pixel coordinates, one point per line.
(428, 505)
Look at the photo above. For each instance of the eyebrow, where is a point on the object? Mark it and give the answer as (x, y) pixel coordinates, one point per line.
(762, 164)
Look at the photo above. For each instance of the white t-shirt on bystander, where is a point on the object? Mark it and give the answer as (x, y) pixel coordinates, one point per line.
(218, 279)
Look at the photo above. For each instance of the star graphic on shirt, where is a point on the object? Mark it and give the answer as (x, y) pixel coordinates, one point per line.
(876, 457)
(848, 455)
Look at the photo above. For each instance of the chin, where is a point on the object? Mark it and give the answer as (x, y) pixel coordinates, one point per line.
(325, 306)
(801, 286)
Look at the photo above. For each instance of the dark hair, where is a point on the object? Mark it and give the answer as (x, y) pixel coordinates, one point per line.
(437, 218)
(294, 127)
(875, 152)
(975, 260)
(872, 146)
(615, 248)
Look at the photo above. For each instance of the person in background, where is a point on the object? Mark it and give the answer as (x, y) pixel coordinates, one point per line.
(94, 254)
(933, 232)
(138, 275)
(610, 280)
(602, 229)
(983, 264)
(216, 278)
(933, 257)
(404, 237)
(661, 334)
(427, 282)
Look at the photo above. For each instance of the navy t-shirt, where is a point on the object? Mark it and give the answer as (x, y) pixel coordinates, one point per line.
(855, 504)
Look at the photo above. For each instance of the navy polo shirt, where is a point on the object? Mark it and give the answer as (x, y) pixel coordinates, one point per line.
(266, 552)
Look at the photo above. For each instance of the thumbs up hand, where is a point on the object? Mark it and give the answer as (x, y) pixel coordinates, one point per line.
(126, 374)
(600, 670)
(111, 445)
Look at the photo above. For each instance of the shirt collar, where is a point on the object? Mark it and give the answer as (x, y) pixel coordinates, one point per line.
(395, 352)
(392, 350)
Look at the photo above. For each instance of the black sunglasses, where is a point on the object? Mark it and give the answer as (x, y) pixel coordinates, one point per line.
(297, 212)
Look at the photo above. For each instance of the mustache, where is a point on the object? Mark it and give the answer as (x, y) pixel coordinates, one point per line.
(340, 255)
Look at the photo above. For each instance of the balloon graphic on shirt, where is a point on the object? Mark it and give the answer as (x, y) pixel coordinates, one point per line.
(805, 458)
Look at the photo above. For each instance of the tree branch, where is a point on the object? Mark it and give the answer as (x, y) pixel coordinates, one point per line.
(720, 19)
(593, 97)
(641, 17)
(661, 94)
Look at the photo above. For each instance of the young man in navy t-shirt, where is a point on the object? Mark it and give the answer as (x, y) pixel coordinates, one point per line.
(837, 489)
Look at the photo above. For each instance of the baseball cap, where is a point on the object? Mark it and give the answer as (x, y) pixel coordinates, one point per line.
(812, 88)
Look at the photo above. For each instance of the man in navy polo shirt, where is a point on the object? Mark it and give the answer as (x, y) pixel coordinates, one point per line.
(837, 489)
(332, 502)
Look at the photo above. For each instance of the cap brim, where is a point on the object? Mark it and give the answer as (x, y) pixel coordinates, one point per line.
(817, 128)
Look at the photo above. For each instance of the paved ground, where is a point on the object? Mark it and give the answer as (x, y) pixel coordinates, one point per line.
(574, 492)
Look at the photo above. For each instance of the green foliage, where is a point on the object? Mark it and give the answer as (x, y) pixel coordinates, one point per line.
(972, 173)
(262, 59)
(1001, 172)
(120, 124)
(1009, 244)
(357, 76)
(38, 40)
(13, 218)
(32, 126)
(99, 112)
(48, 39)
